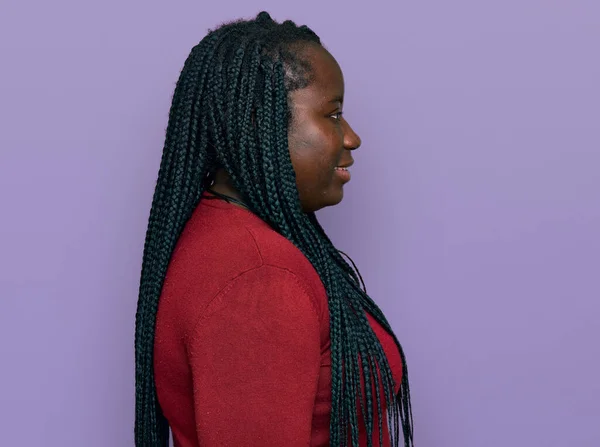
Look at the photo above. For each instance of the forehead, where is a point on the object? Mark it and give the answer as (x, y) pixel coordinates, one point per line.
(327, 78)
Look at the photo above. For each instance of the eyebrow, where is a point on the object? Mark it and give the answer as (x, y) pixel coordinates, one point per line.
(339, 99)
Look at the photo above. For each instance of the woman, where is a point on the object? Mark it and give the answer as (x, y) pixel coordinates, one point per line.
(251, 328)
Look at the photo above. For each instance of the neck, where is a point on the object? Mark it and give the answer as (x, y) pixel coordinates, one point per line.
(224, 185)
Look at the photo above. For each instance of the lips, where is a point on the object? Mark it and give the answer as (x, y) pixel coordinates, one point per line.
(343, 173)
(345, 166)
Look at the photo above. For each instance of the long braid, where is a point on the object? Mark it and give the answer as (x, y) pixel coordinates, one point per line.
(230, 110)
(151, 428)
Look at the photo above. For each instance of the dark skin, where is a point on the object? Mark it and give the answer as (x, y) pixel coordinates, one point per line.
(320, 139)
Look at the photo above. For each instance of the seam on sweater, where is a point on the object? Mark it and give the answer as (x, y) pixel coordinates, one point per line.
(262, 261)
(309, 293)
(302, 286)
(230, 285)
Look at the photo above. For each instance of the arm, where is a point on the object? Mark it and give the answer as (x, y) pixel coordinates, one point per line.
(255, 359)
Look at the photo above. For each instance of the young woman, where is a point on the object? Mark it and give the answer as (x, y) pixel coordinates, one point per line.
(252, 329)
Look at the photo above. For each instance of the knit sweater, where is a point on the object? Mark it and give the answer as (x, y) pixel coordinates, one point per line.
(242, 353)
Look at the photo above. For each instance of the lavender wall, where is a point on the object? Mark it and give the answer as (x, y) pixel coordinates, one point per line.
(473, 212)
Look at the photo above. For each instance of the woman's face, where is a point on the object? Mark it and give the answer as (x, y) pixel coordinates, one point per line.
(320, 139)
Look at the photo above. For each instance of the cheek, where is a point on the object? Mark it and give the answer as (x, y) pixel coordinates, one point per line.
(313, 150)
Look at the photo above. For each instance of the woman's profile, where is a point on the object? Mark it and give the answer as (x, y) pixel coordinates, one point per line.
(252, 329)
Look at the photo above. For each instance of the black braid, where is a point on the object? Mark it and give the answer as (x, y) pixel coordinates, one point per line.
(230, 110)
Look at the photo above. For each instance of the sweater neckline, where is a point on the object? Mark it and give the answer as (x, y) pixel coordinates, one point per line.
(216, 202)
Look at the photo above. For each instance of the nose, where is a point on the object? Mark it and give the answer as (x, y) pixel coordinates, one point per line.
(351, 138)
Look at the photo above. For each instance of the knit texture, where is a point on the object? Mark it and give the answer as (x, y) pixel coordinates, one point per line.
(242, 353)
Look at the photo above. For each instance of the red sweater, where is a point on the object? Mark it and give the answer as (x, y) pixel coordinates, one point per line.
(242, 350)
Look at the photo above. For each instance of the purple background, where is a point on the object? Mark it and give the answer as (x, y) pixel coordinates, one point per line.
(474, 211)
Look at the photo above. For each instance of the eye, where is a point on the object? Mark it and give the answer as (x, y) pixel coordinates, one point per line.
(337, 115)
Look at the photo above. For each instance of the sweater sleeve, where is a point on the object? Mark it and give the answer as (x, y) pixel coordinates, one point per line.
(255, 358)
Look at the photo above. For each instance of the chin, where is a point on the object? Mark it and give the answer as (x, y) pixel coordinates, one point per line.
(333, 199)
(330, 197)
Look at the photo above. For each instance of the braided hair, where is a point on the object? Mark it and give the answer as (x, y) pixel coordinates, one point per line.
(230, 110)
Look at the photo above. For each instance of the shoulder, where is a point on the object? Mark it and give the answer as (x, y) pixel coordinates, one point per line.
(226, 241)
(267, 291)
(238, 240)
(278, 252)
(225, 253)
(260, 304)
